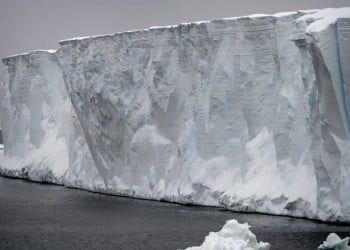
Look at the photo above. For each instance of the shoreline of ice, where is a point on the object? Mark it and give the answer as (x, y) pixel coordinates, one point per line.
(50, 179)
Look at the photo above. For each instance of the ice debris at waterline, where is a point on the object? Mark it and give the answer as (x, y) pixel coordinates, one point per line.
(333, 242)
(248, 113)
(233, 236)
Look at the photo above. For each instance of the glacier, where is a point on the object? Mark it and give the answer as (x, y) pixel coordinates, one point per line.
(248, 113)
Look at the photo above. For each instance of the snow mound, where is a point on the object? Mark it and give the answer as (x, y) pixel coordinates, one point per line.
(233, 236)
(334, 242)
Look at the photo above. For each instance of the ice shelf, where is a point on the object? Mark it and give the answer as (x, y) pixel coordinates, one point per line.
(249, 113)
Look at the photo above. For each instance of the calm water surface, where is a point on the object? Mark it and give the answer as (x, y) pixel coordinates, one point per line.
(38, 216)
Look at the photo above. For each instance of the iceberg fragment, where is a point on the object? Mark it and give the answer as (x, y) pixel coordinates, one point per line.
(233, 236)
(334, 242)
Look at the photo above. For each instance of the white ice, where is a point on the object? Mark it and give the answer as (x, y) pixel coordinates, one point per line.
(233, 236)
(334, 242)
(249, 113)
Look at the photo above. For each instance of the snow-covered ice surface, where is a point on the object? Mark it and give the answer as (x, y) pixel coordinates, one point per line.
(233, 236)
(249, 113)
(334, 242)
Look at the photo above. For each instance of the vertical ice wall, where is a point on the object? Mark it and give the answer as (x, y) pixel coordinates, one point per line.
(40, 129)
(34, 104)
(214, 113)
(326, 41)
(249, 113)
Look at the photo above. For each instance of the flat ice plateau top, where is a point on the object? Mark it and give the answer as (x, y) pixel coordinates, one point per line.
(249, 113)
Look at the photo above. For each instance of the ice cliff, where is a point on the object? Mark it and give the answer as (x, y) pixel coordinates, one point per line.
(249, 113)
(44, 141)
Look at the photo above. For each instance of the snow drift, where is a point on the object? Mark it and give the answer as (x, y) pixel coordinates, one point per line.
(249, 113)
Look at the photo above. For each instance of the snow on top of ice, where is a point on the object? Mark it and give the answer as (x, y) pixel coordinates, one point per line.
(282, 14)
(308, 11)
(83, 37)
(322, 18)
(257, 15)
(50, 51)
(163, 27)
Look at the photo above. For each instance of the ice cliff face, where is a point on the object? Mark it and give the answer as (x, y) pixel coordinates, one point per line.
(249, 113)
(43, 138)
(33, 106)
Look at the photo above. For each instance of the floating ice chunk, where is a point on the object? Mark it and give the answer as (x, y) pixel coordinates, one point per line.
(334, 242)
(233, 236)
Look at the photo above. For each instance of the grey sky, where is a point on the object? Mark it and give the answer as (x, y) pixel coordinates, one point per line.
(38, 24)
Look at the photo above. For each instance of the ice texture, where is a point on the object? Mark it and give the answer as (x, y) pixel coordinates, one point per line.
(333, 242)
(33, 106)
(233, 236)
(42, 136)
(248, 113)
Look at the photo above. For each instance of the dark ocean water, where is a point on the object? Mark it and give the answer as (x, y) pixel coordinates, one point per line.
(39, 216)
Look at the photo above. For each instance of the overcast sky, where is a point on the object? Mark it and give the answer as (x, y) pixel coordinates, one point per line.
(38, 24)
